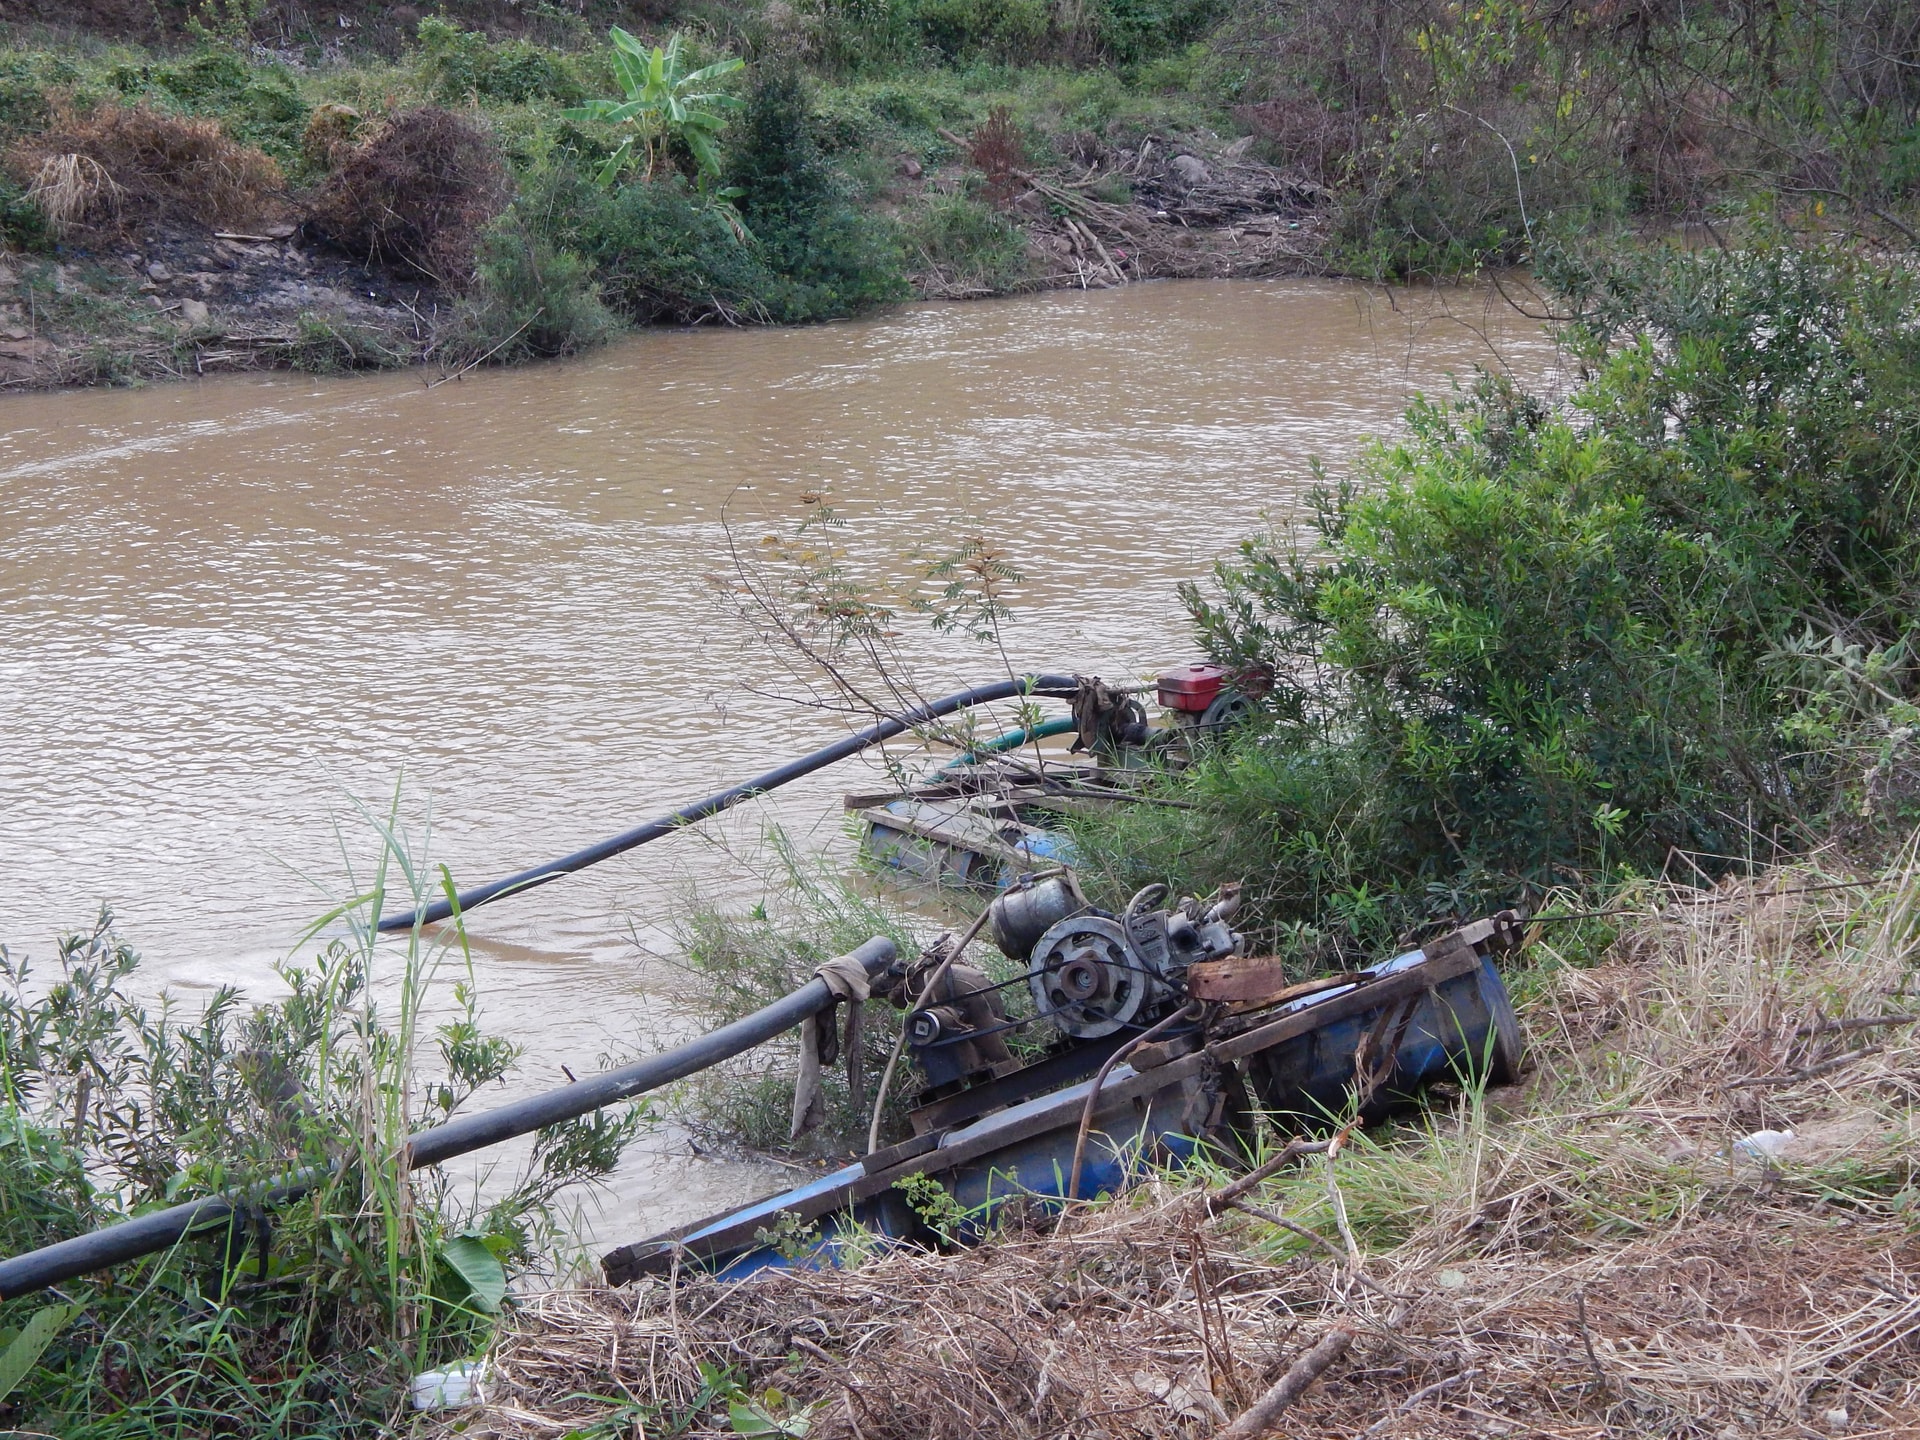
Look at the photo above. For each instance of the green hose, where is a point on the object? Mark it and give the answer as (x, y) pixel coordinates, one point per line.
(1013, 740)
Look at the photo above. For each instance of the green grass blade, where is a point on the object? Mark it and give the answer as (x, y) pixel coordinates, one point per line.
(30, 1344)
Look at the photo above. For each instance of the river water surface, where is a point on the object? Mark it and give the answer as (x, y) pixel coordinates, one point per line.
(227, 607)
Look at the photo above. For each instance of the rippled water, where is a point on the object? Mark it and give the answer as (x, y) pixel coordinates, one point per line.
(227, 607)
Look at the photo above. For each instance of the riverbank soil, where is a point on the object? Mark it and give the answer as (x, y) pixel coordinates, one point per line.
(869, 154)
(1695, 1217)
(174, 300)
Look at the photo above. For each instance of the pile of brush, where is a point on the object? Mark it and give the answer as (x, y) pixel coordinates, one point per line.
(133, 164)
(1696, 1219)
(1187, 215)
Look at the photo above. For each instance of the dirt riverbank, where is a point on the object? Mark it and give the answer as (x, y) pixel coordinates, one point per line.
(169, 299)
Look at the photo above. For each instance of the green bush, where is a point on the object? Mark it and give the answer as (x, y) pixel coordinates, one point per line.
(1526, 646)
(24, 106)
(23, 226)
(830, 259)
(458, 65)
(961, 29)
(527, 300)
(212, 78)
(663, 252)
(1135, 32)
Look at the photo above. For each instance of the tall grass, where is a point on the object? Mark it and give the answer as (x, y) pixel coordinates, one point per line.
(739, 960)
(310, 1318)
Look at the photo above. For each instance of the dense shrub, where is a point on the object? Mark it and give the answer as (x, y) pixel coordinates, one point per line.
(23, 225)
(831, 260)
(1004, 29)
(416, 196)
(161, 167)
(663, 252)
(1137, 31)
(24, 105)
(1454, 131)
(527, 300)
(1524, 646)
(457, 66)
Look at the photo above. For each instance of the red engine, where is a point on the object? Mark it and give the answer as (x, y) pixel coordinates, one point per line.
(1191, 688)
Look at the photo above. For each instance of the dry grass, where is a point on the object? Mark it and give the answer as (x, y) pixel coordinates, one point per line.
(70, 189)
(328, 138)
(122, 165)
(1587, 1256)
(415, 196)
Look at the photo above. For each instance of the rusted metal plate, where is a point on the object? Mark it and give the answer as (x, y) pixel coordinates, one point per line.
(1251, 977)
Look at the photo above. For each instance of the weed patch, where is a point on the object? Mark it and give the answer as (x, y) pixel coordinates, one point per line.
(306, 1318)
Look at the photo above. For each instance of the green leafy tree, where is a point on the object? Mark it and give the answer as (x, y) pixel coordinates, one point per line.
(664, 103)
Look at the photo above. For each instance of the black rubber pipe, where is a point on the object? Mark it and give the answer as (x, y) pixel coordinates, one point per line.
(163, 1229)
(1058, 686)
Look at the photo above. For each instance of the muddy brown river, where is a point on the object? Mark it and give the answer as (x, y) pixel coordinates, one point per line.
(228, 608)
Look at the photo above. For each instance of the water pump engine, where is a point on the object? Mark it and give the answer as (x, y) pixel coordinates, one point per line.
(1092, 974)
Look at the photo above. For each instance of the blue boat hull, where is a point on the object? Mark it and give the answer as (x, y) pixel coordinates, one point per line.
(1370, 1046)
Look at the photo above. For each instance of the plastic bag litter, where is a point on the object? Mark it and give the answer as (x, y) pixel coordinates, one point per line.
(1762, 1146)
(449, 1387)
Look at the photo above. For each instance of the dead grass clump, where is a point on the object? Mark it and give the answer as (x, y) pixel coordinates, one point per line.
(128, 165)
(71, 189)
(1609, 1250)
(415, 196)
(328, 138)
(1089, 1330)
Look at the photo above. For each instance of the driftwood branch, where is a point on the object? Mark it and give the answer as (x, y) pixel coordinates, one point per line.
(1224, 1197)
(1260, 1417)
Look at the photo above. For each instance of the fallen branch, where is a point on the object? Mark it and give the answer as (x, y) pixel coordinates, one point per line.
(1264, 1413)
(1826, 1067)
(1863, 1022)
(1224, 1197)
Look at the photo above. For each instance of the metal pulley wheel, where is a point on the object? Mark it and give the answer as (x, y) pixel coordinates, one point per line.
(1229, 708)
(1085, 977)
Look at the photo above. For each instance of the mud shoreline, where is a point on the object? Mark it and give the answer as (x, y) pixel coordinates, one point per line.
(173, 301)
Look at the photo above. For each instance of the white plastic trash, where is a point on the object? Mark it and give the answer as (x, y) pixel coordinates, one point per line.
(1763, 1146)
(449, 1387)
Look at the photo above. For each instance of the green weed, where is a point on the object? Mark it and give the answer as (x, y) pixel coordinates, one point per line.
(304, 1319)
(1527, 645)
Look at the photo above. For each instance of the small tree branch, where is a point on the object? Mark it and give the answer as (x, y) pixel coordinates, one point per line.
(1264, 1414)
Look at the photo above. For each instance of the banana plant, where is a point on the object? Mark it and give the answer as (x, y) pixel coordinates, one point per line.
(664, 101)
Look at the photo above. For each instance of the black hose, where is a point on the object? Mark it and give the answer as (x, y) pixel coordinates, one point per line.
(163, 1229)
(1059, 686)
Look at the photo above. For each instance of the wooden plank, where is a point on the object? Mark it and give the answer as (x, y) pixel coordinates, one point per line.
(1240, 977)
